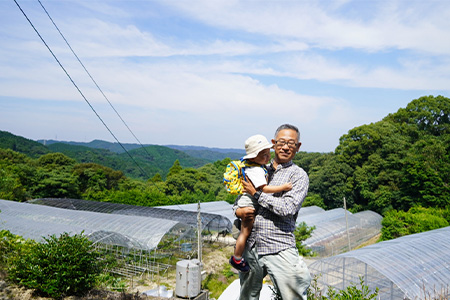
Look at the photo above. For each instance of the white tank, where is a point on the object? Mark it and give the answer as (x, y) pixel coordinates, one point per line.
(189, 278)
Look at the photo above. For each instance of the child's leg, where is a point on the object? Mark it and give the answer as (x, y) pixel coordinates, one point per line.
(246, 229)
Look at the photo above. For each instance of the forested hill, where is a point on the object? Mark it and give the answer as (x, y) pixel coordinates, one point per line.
(398, 167)
(154, 159)
(22, 145)
(205, 153)
(400, 162)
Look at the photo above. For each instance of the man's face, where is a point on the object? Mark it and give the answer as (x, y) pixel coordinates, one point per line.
(285, 145)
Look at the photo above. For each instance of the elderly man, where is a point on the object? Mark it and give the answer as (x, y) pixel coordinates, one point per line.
(271, 247)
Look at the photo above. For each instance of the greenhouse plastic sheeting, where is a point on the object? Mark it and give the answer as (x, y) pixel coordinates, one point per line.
(330, 235)
(225, 209)
(411, 267)
(37, 221)
(209, 221)
(221, 208)
(313, 219)
(308, 210)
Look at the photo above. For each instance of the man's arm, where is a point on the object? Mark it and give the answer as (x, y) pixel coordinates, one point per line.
(290, 202)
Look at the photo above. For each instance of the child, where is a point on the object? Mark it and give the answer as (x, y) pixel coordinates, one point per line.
(257, 149)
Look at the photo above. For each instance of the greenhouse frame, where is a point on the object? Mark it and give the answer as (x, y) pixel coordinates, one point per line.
(337, 232)
(135, 239)
(210, 222)
(37, 221)
(411, 267)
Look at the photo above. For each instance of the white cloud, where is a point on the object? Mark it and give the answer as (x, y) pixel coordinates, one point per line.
(415, 25)
(224, 74)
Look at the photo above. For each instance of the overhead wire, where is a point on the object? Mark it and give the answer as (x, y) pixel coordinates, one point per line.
(90, 76)
(81, 93)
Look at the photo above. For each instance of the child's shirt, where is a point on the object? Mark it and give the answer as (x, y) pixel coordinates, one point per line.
(257, 175)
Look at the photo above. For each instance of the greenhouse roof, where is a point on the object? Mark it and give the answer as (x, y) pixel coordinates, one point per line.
(410, 267)
(225, 209)
(308, 210)
(315, 218)
(209, 221)
(37, 221)
(331, 237)
(221, 208)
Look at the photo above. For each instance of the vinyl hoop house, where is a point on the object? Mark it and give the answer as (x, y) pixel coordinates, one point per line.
(140, 240)
(411, 267)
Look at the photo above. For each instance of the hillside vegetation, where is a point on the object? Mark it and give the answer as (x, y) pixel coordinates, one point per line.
(145, 162)
(398, 165)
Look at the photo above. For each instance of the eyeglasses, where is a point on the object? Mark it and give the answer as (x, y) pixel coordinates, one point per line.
(281, 143)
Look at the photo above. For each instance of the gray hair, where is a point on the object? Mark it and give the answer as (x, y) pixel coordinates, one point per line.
(288, 126)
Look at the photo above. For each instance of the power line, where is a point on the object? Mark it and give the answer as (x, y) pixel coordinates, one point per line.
(81, 93)
(98, 87)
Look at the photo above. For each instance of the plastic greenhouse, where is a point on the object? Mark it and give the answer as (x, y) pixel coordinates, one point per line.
(35, 221)
(221, 208)
(411, 267)
(210, 222)
(225, 209)
(331, 236)
(138, 240)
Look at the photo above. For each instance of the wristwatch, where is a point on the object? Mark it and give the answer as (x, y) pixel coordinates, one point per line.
(257, 195)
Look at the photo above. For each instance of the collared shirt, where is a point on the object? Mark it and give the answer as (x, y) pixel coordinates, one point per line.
(277, 213)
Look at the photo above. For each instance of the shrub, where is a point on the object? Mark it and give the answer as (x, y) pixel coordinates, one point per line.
(417, 219)
(11, 246)
(58, 267)
(351, 292)
(302, 232)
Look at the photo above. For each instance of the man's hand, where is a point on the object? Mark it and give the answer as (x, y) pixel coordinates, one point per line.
(246, 213)
(248, 187)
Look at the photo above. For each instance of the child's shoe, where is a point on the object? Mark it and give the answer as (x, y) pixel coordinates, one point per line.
(240, 265)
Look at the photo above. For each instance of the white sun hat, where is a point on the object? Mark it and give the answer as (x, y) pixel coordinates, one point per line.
(255, 144)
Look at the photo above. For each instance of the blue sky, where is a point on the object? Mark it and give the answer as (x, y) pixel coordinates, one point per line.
(212, 73)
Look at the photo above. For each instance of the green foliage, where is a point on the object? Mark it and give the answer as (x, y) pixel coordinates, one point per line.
(352, 292)
(301, 233)
(397, 163)
(21, 145)
(11, 246)
(313, 199)
(153, 159)
(329, 180)
(62, 266)
(417, 219)
(10, 186)
(156, 178)
(91, 177)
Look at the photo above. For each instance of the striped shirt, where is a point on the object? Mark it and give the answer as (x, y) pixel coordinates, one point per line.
(277, 213)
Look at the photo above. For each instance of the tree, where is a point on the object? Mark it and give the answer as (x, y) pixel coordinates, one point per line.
(55, 160)
(430, 114)
(94, 177)
(175, 169)
(417, 219)
(329, 180)
(302, 232)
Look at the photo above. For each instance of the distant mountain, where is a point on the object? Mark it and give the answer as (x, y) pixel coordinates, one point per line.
(204, 153)
(96, 144)
(151, 159)
(212, 154)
